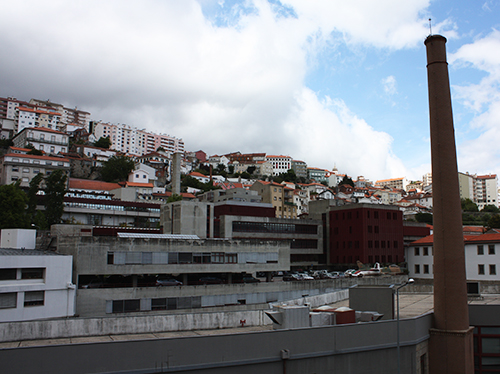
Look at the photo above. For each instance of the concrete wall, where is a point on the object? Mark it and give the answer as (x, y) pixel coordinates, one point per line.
(373, 298)
(137, 324)
(356, 348)
(90, 255)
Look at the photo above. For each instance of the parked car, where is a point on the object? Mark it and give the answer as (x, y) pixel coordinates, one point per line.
(250, 279)
(349, 273)
(168, 282)
(210, 280)
(94, 283)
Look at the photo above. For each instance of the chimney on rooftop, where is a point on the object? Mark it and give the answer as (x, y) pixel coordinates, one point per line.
(450, 344)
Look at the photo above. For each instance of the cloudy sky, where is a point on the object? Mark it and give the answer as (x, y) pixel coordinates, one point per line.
(329, 82)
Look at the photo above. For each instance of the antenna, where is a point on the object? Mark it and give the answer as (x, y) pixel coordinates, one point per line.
(430, 26)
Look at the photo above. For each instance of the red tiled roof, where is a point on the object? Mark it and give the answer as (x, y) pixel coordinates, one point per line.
(135, 184)
(24, 109)
(85, 184)
(196, 174)
(45, 129)
(48, 158)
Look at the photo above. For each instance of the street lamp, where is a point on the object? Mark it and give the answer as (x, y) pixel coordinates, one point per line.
(409, 281)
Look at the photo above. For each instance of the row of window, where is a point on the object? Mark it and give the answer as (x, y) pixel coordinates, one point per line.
(146, 305)
(24, 273)
(491, 249)
(174, 258)
(349, 215)
(480, 250)
(481, 269)
(8, 300)
(120, 208)
(37, 162)
(280, 228)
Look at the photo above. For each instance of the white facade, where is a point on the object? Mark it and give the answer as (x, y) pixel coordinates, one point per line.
(281, 164)
(18, 238)
(46, 140)
(35, 285)
(130, 140)
(482, 258)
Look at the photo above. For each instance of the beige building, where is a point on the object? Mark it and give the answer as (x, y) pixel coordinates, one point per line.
(399, 183)
(275, 194)
(23, 167)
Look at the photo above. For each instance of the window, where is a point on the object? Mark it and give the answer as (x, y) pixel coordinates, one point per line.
(32, 273)
(417, 269)
(8, 300)
(26, 170)
(426, 269)
(231, 258)
(123, 306)
(15, 168)
(480, 269)
(8, 274)
(480, 250)
(218, 258)
(491, 249)
(426, 251)
(493, 269)
(34, 298)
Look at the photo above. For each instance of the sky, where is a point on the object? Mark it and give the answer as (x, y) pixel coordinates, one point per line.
(332, 83)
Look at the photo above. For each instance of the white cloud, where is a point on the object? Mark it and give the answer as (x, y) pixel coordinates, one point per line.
(166, 66)
(481, 154)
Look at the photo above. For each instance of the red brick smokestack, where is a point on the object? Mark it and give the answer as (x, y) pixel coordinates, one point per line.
(450, 344)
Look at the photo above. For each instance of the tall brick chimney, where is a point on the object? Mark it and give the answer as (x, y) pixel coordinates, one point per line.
(450, 344)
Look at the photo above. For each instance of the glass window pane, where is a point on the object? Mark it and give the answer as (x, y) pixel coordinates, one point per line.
(491, 345)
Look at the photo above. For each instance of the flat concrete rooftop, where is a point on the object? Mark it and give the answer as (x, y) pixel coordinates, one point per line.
(410, 305)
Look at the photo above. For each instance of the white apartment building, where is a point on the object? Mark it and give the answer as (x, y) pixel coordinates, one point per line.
(482, 257)
(281, 164)
(29, 117)
(130, 140)
(68, 115)
(426, 179)
(44, 139)
(486, 190)
(481, 189)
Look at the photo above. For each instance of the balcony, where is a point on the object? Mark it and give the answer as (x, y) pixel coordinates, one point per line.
(46, 141)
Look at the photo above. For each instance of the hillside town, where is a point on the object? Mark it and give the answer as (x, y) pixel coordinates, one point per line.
(105, 220)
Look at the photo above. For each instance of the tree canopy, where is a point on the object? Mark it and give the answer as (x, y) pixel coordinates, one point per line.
(469, 206)
(490, 209)
(117, 169)
(13, 202)
(346, 180)
(55, 189)
(103, 142)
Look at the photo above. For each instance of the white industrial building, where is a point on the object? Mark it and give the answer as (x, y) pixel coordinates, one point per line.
(33, 284)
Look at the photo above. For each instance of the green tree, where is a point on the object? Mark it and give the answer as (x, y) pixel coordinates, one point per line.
(424, 217)
(494, 222)
(250, 169)
(33, 196)
(33, 150)
(346, 180)
(117, 169)
(174, 197)
(469, 206)
(490, 209)
(13, 202)
(55, 189)
(103, 142)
